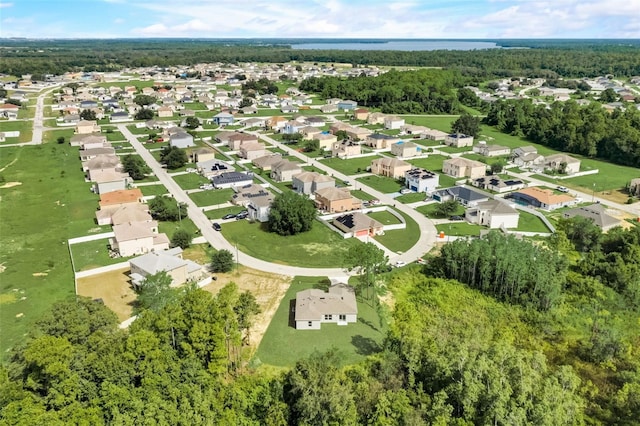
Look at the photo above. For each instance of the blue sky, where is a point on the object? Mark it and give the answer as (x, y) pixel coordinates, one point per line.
(321, 18)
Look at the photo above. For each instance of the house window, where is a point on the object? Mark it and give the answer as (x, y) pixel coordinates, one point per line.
(310, 323)
(328, 317)
(343, 317)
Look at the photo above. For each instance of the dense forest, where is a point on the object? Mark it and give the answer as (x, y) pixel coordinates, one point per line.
(547, 59)
(455, 354)
(417, 92)
(588, 130)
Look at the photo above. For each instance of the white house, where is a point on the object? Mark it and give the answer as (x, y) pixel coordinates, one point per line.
(494, 214)
(458, 140)
(393, 122)
(314, 307)
(169, 261)
(421, 180)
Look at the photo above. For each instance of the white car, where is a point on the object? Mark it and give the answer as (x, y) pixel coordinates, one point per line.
(400, 263)
(562, 189)
(406, 191)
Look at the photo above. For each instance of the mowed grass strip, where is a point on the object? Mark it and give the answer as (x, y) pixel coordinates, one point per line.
(283, 345)
(400, 240)
(383, 184)
(211, 197)
(350, 166)
(190, 180)
(318, 248)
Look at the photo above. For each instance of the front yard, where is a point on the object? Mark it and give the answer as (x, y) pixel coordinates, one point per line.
(350, 166)
(383, 184)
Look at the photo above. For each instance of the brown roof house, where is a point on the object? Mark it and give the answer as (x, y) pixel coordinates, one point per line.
(310, 182)
(597, 213)
(133, 238)
(326, 140)
(266, 161)
(170, 261)
(390, 167)
(252, 150)
(358, 225)
(314, 306)
(236, 140)
(463, 167)
(542, 198)
(361, 114)
(131, 212)
(336, 200)
(120, 197)
(284, 170)
(494, 214)
(102, 162)
(85, 127)
(203, 154)
(345, 149)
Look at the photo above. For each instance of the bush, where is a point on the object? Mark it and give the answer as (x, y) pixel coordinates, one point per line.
(222, 261)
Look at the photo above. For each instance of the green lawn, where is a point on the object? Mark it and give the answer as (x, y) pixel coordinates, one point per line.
(170, 228)
(610, 176)
(115, 136)
(401, 240)
(429, 210)
(219, 213)
(318, 248)
(52, 204)
(455, 150)
(460, 229)
(51, 136)
(24, 127)
(383, 184)
(364, 196)
(158, 189)
(384, 217)
(211, 197)
(433, 122)
(414, 197)
(283, 345)
(433, 162)
(350, 166)
(190, 180)
(93, 254)
(531, 223)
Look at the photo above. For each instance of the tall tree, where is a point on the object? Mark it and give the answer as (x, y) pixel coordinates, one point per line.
(291, 214)
(135, 166)
(155, 291)
(367, 260)
(467, 124)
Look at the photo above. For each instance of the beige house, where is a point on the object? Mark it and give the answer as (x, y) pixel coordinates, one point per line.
(109, 180)
(326, 140)
(266, 161)
(463, 167)
(131, 212)
(559, 161)
(310, 182)
(169, 261)
(435, 135)
(376, 118)
(458, 140)
(165, 112)
(393, 122)
(390, 167)
(101, 162)
(380, 141)
(358, 133)
(200, 155)
(88, 154)
(91, 140)
(314, 307)
(494, 214)
(361, 114)
(133, 238)
(358, 225)
(252, 150)
(491, 150)
(309, 132)
(336, 200)
(346, 148)
(238, 139)
(284, 170)
(86, 127)
(404, 149)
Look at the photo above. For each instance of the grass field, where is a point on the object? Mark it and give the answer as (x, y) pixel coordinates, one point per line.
(383, 184)
(24, 127)
(318, 248)
(460, 229)
(354, 341)
(364, 196)
(51, 204)
(93, 254)
(531, 223)
(401, 240)
(384, 217)
(190, 180)
(429, 210)
(350, 166)
(414, 197)
(219, 213)
(158, 189)
(211, 197)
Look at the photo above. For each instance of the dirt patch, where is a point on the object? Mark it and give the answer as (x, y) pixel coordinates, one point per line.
(10, 164)
(39, 274)
(2, 268)
(269, 289)
(10, 185)
(8, 298)
(113, 288)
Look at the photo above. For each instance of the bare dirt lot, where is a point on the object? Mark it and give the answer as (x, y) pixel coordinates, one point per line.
(114, 290)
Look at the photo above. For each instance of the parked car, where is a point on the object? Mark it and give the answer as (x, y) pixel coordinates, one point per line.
(562, 189)
(405, 191)
(374, 202)
(242, 215)
(217, 226)
(456, 217)
(400, 263)
(229, 216)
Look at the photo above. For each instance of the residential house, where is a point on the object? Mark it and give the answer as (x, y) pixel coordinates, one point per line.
(380, 141)
(458, 140)
(346, 148)
(421, 180)
(491, 150)
(314, 307)
(336, 200)
(109, 180)
(232, 179)
(256, 199)
(361, 114)
(497, 184)
(358, 133)
(255, 122)
(203, 154)
(597, 213)
(283, 170)
(326, 140)
(170, 261)
(249, 110)
(179, 138)
(358, 224)
(266, 161)
(347, 105)
(292, 127)
(494, 214)
(88, 141)
(376, 118)
(89, 104)
(130, 212)
(119, 116)
(634, 187)
(133, 238)
(329, 108)
(9, 111)
(276, 122)
(223, 137)
(411, 129)
(102, 162)
(562, 163)
(462, 194)
(435, 135)
(392, 122)
(390, 167)
(309, 132)
(86, 127)
(222, 119)
(289, 109)
(121, 197)
(88, 154)
(542, 198)
(236, 140)
(463, 167)
(310, 182)
(252, 150)
(338, 126)
(404, 149)
(165, 112)
(526, 156)
(314, 121)
(211, 168)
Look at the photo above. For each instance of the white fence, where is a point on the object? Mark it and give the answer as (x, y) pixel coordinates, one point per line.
(95, 237)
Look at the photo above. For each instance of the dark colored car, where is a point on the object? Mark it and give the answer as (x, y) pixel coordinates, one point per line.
(229, 216)
(456, 218)
(217, 226)
(242, 215)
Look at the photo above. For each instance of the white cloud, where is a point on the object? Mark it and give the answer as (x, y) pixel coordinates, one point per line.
(5, 5)
(118, 21)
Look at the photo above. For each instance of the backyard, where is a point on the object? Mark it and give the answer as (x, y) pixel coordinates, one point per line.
(211, 197)
(354, 341)
(350, 166)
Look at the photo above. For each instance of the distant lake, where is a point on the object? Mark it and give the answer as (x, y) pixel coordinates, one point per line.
(406, 45)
